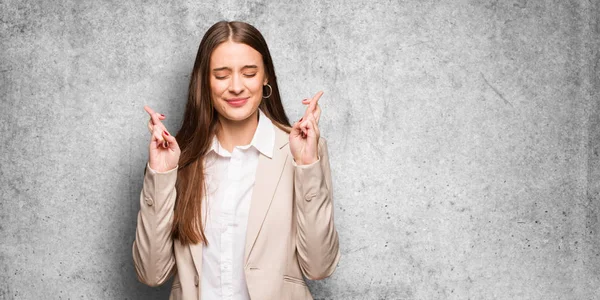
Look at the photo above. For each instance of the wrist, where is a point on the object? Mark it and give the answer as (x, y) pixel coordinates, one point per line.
(301, 162)
(160, 170)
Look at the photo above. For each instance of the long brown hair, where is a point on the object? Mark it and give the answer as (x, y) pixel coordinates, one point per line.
(200, 122)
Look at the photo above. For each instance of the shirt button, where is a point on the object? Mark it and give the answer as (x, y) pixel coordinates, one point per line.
(309, 197)
(149, 201)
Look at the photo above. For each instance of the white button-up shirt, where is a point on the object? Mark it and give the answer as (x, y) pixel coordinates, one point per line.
(230, 180)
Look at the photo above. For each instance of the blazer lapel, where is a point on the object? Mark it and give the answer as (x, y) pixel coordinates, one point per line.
(196, 249)
(268, 173)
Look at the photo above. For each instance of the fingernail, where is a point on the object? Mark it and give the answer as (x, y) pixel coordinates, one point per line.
(166, 133)
(301, 119)
(162, 115)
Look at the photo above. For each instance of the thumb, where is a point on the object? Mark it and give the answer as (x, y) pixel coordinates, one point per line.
(296, 129)
(170, 139)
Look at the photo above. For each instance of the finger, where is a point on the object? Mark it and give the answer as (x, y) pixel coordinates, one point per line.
(170, 140)
(151, 123)
(311, 124)
(157, 138)
(296, 130)
(165, 143)
(315, 127)
(150, 126)
(160, 117)
(317, 114)
(307, 129)
(157, 135)
(314, 101)
(156, 142)
(154, 116)
(301, 129)
(149, 110)
(305, 126)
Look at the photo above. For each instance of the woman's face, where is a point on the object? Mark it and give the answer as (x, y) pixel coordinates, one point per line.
(237, 76)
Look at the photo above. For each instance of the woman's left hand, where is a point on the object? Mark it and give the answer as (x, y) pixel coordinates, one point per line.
(304, 137)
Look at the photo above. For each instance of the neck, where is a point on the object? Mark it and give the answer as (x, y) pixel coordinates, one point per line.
(236, 133)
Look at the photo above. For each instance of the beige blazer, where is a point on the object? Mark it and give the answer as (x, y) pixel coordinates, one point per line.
(290, 231)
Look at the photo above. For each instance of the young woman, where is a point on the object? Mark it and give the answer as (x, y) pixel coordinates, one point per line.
(238, 205)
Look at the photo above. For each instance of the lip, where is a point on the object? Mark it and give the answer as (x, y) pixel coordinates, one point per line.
(237, 102)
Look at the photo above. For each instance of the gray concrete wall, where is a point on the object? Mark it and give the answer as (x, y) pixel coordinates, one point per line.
(464, 139)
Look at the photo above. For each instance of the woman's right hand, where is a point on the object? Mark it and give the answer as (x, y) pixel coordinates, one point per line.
(163, 150)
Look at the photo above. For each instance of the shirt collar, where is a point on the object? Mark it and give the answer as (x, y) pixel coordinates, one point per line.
(263, 139)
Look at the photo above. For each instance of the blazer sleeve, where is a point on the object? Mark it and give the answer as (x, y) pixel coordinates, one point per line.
(153, 255)
(317, 240)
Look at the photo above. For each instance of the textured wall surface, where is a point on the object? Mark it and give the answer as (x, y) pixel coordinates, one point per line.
(464, 139)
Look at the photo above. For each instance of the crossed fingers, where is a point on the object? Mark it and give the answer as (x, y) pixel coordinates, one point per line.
(313, 106)
(156, 127)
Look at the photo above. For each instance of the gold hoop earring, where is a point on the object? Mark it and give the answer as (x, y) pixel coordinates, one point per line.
(270, 91)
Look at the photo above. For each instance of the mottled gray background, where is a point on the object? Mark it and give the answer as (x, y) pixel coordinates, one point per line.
(464, 139)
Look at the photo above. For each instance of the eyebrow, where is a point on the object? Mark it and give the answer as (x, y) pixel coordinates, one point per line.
(227, 68)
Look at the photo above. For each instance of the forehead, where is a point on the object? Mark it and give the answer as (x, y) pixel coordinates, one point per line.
(231, 54)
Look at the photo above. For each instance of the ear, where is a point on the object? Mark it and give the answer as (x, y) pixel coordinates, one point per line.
(266, 77)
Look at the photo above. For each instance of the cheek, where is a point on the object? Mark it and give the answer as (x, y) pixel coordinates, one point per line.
(218, 87)
(256, 85)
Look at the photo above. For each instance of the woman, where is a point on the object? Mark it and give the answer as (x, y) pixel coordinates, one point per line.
(238, 205)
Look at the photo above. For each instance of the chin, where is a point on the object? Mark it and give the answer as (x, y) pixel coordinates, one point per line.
(238, 113)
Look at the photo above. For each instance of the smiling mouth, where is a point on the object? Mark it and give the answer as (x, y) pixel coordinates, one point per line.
(236, 101)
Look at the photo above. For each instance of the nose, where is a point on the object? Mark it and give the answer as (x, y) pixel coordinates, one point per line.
(236, 86)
